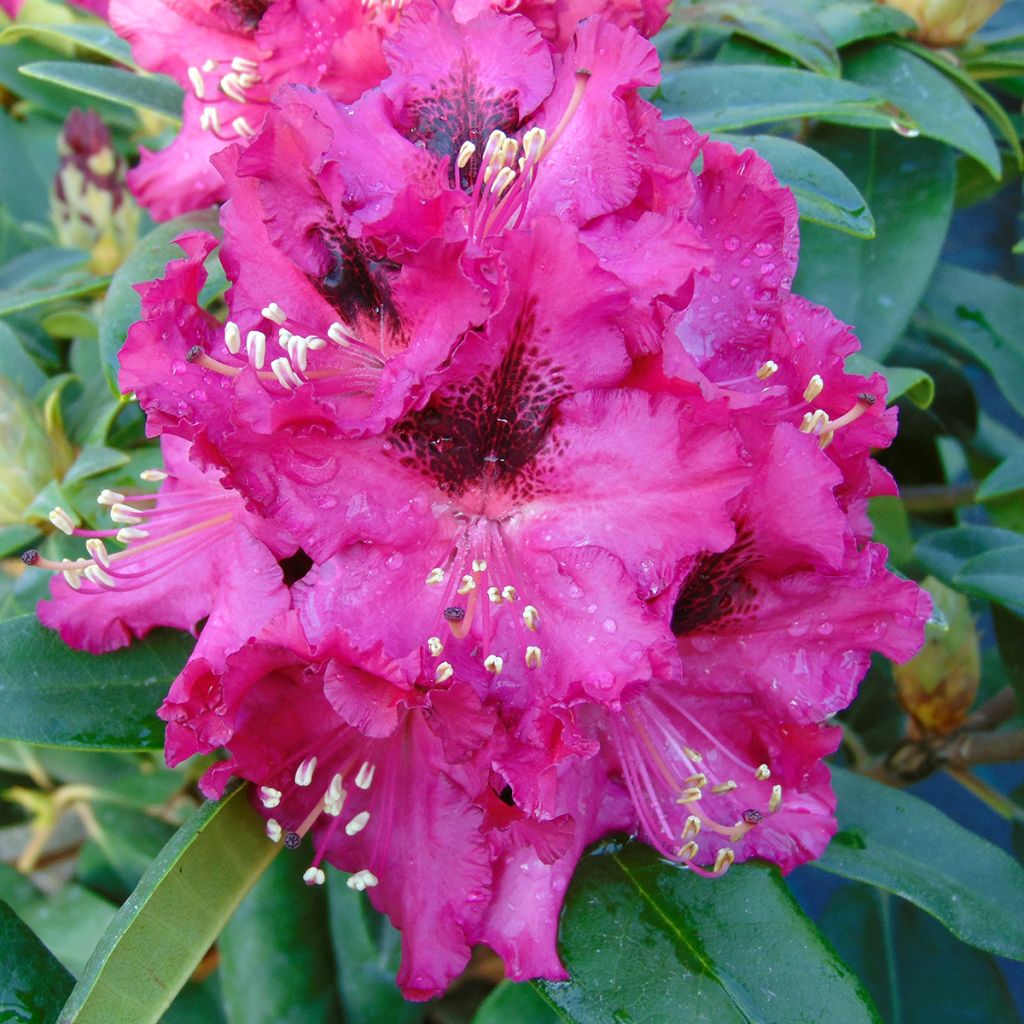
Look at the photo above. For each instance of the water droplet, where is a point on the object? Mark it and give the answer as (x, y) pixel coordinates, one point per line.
(732, 243)
(609, 625)
(798, 629)
(764, 248)
(825, 628)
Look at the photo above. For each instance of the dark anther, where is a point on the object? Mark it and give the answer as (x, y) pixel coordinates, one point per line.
(30, 557)
(506, 796)
(193, 353)
(752, 817)
(455, 613)
(292, 840)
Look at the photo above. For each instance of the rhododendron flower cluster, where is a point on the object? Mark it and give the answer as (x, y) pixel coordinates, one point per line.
(522, 500)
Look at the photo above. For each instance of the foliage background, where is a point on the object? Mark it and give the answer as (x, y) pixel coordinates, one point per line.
(907, 166)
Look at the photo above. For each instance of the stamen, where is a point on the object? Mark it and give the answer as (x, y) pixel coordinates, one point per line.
(106, 497)
(689, 795)
(435, 646)
(691, 828)
(232, 88)
(767, 369)
(813, 422)
(152, 476)
(724, 787)
(494, 663)
(468, 584)
(269, 796)
(304, 773)
(533, 657)
(242, 126)
(776, 800)
(232, 337)
(466, 151)
(256, 348)
(273, 830)
(126, 514)
(314, 876)
(434, 577)
(531, 618)
(95, 574)
(362, 880)
(98, 551)
(726, 856)
(689, 851)
(272, 311)
(195, 76)
(700, 780)
(129, 533)
(357, 824)
(244, 65)
(510, 594)
(443, 672)
(494, 595)
(364, 778)
(692, 754)
(286, 376)
(763, 772)
(815, 386)
(62, 520)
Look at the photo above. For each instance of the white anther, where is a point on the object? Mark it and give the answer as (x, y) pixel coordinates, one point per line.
(815, 386)
(725, 857)
(435, 647)
(341, 335)
(466, 151)
(336, 788)
(195, 76)
(724, 787)
(362, 880)
(286, 376)
(334, 798)
(73, 577)
(273, 830)
(364, 777)
(443, 672)
(256, 348)
(467, 584)
(357, 824)
(129, 533)
(494, 663)
(693, 755)
(125, 514)
(502, 180)
(98, 551)
(479, 565)
(152, 476)
(248, 79)
(531, 617)
(700, 780)
(244, 65)
(314, 876)
(776, 800)
(209, 65)
(533, 141)
(242, 126)
(509, 593)
(62, 520)
(304, 773)
(106, 497)
(272, 311)
(95, 574)
(232, 87)
(435, 576)
(767, 369)
(692, 827)
(269, 797)
(533, 657)
(232, 337)
(688, 795)
(763, 772)
(494, 595)
(813, 422)
(209, 120)
(689, 851)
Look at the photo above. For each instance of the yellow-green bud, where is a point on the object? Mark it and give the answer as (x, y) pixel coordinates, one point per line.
(947, 22)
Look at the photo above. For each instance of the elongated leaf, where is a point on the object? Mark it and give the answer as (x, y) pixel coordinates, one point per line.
(936, 105)
(982, 316)
(909, 186)
(281, 926)
(16, 300)
(1007, 478)
(32, 983)
(53, 695)
(849, 22)
(121, 307)
(721, 98)
(903, 845)
(98, 39)
(643, 939)
(157, 93)
(823, 193)
(515, 1003)
(944, 552)
(183, 901)
(997, 576)
(915, 970)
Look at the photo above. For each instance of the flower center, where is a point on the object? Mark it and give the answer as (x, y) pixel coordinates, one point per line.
(221, 86)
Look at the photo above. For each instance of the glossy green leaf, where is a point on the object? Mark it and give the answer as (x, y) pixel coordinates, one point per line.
(981, 315)
(1007, 478)
(93, 460)
(32, 982)
(823, 193)
(996, 576)
(936, 105)
(516, 1003)
(122, 307)
(642, 938)
(275, 953)
(56, 696)
(97, 39)
(777, 24)
(27, 145)
(850, 21)
(183, 901)
(944, 553)
(367, 951)
(876, 284)
(155, 93)
(915, 970)
(901, 844)
(18, 299)
(724, 97)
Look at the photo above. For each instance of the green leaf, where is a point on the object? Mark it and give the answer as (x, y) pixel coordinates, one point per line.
(1006, 478)
(642, 938)
(849, 21)
(876, 285)
(367, 951)
(156, 93)
(92, 460)
(184, 899)
(944, 553)
(32, 983)
(776, 24)
(823, 193)
(29, 146)
(15, 300)
(915, 970)
(281, 929)
(936, 105)
(915, 384)
(122, 307)
(981, 316)
(903, 845)
(996, 576)
(515, 1003)
(98, 39)
(721, 98)
(59, 697)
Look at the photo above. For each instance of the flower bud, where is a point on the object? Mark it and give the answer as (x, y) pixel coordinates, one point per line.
(938, 685)
(90, 204)
(35, 451)
(947, 22)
